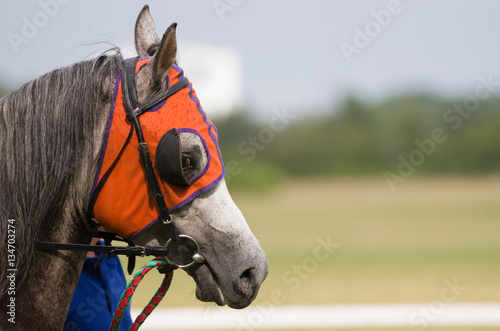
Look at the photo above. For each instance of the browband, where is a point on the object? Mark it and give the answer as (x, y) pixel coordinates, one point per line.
(132, 104)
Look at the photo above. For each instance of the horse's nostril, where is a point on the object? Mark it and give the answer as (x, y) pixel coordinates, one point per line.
(247, 276)
(247, 284)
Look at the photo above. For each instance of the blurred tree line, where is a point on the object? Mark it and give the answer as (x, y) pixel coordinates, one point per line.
(405, 135)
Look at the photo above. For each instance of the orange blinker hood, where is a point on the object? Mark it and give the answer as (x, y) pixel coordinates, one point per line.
(124, 205)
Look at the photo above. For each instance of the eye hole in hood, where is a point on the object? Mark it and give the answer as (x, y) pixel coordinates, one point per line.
(169, 159)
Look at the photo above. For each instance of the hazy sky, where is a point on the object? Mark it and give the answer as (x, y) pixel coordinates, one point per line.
(302, 55)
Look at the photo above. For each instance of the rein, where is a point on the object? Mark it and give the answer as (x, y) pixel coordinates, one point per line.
(159, 263)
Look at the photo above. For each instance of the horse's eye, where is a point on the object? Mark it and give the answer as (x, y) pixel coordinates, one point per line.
(186, 162)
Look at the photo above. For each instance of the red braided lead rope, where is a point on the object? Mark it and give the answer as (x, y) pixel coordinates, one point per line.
(129, 292)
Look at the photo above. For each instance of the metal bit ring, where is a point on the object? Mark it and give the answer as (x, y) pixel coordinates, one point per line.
(197, 257)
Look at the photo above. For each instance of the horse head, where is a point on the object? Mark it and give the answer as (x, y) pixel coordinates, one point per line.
(69, 135)
(189, 171)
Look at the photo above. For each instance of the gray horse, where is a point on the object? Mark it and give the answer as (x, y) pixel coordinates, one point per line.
(52, 131)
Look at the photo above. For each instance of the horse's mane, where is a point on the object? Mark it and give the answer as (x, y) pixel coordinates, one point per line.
(47, 140)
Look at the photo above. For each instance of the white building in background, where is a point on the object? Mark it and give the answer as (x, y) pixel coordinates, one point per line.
(217, 76)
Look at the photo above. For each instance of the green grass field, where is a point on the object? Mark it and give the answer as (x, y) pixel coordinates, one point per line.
(402, 246)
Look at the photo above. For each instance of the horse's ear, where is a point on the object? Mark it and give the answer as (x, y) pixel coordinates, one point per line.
(165, 56)
(145, 33)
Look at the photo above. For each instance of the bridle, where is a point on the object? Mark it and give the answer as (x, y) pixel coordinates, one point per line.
(133, 112)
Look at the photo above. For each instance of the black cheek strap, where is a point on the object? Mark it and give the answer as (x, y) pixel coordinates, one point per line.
(134, 110)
